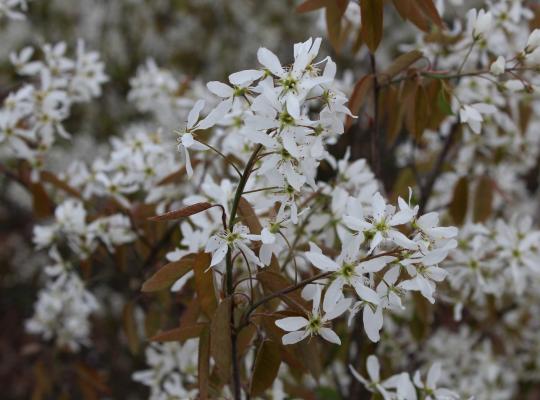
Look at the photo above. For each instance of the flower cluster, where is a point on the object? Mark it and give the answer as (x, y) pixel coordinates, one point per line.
(32, 117)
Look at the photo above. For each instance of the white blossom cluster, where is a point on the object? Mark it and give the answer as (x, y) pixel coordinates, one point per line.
(500, 260)
(157, 91)
(276, 122)
(402, 387)
(270, 110)
(32, 117)
(499, 55)
(63, 307)
(172, 370)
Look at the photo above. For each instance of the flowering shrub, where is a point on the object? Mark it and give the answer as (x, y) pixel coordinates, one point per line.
(354, 225)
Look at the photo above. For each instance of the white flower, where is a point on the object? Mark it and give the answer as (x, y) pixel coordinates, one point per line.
(316, 322)
(347, 271)
(472, 115)
(373, 384)
(381, 224)
(430, 385)
(237, 239)
(482, 22)
(533, 42)
(186, 139)
(499, 66)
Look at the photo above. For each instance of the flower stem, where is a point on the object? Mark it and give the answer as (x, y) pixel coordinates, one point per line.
(229, 271)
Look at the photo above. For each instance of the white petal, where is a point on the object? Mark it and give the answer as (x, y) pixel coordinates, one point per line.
(373, 368)
(433, 375)
(375, 264)
(246, 76)
(193, 115)
(330, 335)
(220, 89)
(366, 293)
(373, 322)
(338, 309)
(294, 337)
(270, 61)
(333, 294)
(292, 323)
(322, 262)
(219, 255)
(216, 114)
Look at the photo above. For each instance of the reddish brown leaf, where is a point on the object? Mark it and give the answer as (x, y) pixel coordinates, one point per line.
(334, 13)
(372, 22)
(204, 284)
(460, 200)
(401, 63)
(274, 282)
(92, 377)
(431, 12)
(169, 274)
(179, 334)
(362, 90)
(483, 199)
(130, 327)
(51, 178)
(183, 212)
(42, 205)
(220, 343)
(204, 363)
(408, 9)
(311, 5)
(249, 218)
(266, 367)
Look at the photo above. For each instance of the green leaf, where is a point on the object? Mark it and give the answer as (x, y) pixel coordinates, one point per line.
(327, 393)
(266, 367)
(443, 101)
(220, 343)
(372, 22)
(170, 273)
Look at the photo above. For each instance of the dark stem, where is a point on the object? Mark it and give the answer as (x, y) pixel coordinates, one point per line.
(229, 272)
(282, 292)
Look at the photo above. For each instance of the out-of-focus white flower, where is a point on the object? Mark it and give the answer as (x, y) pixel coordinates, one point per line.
(499, 66)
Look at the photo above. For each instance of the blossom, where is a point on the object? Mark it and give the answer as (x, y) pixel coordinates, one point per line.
(481, 22)
(380, 224)
(186, 139)
(472, 115)
(533, 42)
(429, 386)
(316, 322)
(374, 383)
(239, 238)
(499, 66)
